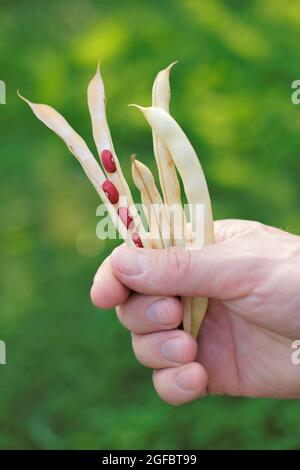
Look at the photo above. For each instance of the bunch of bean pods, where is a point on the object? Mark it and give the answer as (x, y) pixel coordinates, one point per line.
(167, 224)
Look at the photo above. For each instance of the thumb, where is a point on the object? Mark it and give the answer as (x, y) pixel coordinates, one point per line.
(214, 271)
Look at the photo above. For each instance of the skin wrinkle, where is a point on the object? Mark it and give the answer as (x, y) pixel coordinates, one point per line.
(177, 263)
(266, 375)
(238, 364)
(217, 355)
(235, 359)
(262, 293)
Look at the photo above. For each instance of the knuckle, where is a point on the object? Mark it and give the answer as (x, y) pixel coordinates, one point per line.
(255, 226)
(177, 263)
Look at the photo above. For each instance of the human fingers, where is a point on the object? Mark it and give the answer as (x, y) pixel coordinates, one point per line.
(164, 349)
(220, 270)
(147, 314)
(179, 385)
(107, 291)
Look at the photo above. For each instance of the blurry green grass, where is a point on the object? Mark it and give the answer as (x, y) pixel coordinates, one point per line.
(71, 380)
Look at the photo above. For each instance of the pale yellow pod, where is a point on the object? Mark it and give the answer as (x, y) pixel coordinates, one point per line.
(103, 140)
(153, 205)
(161, 91)
(58, 124)
(189, 167)
(161, 95)
(187, 163)
(169, 183)
(198, 311)
(101, 133)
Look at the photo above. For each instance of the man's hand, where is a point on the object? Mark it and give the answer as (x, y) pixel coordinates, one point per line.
(252, 276)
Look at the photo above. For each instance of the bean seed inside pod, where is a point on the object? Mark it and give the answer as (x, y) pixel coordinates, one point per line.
(137, 240)
(108, 161)
(110, 191)
(125, 216)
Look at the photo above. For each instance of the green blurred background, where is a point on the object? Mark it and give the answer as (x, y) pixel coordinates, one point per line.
(71, 380)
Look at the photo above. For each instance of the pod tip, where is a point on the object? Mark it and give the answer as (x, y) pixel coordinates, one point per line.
(23, 97)
(168, 69)
(141, 108)
(98, 71)
(97, 75)
(137, 164)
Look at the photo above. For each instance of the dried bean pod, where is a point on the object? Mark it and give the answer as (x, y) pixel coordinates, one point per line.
(58, 124)
(103, 141)
(194, 182)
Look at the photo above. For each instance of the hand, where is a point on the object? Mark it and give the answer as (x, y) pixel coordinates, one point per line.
(252, 276)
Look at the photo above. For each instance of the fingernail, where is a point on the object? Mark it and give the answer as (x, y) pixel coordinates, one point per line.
(130, 261)
(184, 380)
(159, 312)
(172, 350)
